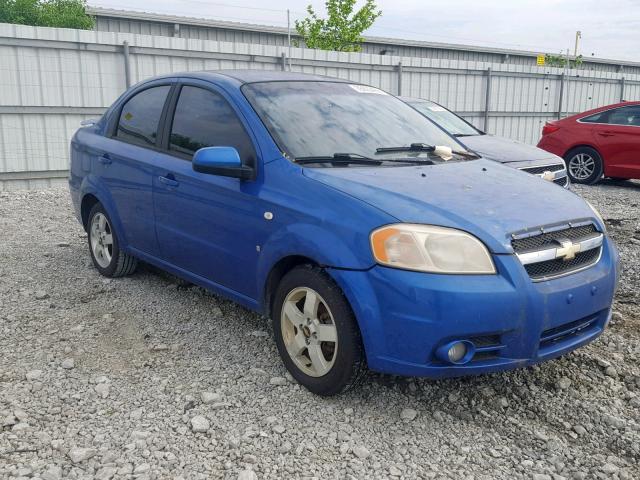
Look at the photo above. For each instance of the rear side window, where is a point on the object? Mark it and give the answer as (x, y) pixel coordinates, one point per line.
(140, 116)
(625, 116)
(600, 117)
(205, 119)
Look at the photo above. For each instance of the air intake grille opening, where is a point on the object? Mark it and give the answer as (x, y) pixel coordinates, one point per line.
(567, 331)
(546, 168)
(562, 181)
(549, 239)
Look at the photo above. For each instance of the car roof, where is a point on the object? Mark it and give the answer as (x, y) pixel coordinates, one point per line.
(241, 77)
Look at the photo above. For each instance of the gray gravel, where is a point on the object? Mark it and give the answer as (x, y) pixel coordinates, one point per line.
(146, 377)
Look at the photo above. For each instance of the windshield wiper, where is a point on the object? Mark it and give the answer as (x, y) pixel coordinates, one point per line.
(458, 135)
(344, 158)
(423, 147)
(414, 147)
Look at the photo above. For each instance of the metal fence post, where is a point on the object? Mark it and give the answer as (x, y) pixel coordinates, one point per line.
(399, 78)
(283, 58)
(127, 67)
(487, 100)
(560, 96)
(622, 89)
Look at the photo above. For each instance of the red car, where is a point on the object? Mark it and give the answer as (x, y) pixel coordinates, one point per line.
(603, 141)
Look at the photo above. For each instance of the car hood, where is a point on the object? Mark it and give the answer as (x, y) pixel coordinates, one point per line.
(504, 150)
(489, 200)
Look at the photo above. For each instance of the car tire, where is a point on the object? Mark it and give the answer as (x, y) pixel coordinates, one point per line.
(104, 248)
(584, 165)
(309, 311)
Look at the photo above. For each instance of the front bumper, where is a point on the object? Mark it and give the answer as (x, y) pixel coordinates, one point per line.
(405, 316)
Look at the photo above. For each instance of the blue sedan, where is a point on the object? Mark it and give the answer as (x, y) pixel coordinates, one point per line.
(367, 233)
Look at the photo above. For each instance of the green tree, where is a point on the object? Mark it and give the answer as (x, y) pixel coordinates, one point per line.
(342, 30)
(561, 61)
(46, 13)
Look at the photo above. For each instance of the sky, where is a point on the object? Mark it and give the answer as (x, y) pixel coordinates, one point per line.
(610, 28)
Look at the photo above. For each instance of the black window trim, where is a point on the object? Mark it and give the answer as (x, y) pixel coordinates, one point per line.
(112, 129)
(170, 110)
(608, 114)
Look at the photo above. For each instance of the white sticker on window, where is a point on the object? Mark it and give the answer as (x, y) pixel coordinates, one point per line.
(367, 89)
(436, 108)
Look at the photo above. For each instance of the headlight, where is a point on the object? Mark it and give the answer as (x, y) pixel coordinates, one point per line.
(427, 248)
(598, 216)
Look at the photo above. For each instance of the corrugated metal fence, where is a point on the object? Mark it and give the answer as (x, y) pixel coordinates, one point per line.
(51, 79)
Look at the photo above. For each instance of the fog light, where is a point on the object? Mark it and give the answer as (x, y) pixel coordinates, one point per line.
(457, 352)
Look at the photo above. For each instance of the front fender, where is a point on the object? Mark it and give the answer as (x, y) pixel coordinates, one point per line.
(314, 242)
(92, 185)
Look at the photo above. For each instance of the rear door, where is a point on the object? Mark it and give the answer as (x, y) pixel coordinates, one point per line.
(126, 163)
(207, 224)
(619, 142)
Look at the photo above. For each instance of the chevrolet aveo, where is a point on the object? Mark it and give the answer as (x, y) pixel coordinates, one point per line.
(367, 233)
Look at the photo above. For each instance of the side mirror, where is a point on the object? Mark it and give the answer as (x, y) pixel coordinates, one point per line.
(223, 161)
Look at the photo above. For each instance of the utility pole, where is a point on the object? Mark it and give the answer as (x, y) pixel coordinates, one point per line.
(575, 49)
(289, 36)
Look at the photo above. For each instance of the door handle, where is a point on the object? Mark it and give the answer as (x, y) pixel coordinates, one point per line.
(169, 182)
(105, 159)
(606, 134)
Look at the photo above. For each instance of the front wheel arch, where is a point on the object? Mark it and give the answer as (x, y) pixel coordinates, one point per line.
(277, 273)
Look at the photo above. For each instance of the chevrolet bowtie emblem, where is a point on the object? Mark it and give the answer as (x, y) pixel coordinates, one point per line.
(567, 250)
(548, 176)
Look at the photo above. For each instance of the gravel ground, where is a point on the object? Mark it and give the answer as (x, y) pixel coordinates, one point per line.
(146, 377)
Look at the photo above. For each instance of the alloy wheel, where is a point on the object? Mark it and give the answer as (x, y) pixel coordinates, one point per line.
(582, 166)
(309, 331)
(101, 240)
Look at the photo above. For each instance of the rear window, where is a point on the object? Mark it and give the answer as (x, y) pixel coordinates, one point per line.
(140, 116)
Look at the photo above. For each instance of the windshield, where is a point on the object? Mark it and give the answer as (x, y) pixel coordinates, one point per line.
(445, 118)
(320, 119)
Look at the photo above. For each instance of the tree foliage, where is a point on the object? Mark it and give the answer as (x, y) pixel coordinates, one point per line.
(342, 29)
(46, 13)
(560, 60)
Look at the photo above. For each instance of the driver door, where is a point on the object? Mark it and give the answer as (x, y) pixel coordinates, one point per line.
(206, 224)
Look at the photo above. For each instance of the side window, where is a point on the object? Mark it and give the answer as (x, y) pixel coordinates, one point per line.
(626, 116)
(600, 117)
(205, 119)
(140, 116)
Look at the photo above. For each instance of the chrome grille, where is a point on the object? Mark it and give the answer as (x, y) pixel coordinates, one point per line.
(550, 254)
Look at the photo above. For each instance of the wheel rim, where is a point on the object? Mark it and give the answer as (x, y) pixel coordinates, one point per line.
(101, 239)
(582, 166)
(309, 331)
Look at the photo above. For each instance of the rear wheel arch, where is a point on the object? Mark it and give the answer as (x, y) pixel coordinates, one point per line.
(88, 201)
